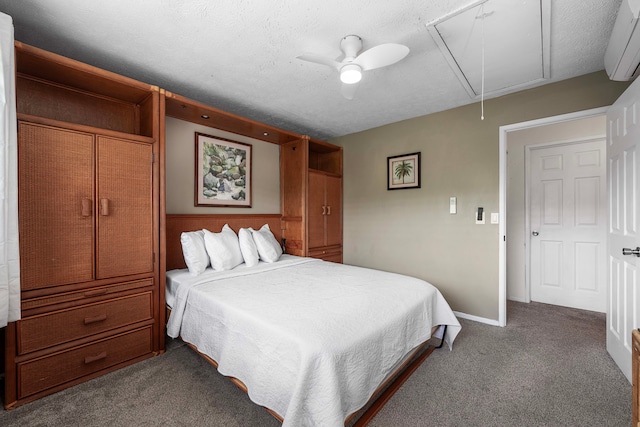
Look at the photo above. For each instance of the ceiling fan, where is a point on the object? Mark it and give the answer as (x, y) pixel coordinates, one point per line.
(352, 65)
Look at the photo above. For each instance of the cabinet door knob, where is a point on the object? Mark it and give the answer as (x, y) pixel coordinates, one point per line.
(328, 210)
(104, 207)
(86, 206)
(324, 210)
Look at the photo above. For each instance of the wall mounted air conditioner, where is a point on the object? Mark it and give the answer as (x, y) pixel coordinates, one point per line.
(622, 57)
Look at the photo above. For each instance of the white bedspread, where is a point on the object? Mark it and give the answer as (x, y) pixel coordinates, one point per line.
(311, 340)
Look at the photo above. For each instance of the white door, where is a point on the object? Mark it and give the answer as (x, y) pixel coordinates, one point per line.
(623, 186)
(568, 224)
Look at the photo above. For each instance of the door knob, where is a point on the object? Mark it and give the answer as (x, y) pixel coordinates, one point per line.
(628, 251)
(534, 233)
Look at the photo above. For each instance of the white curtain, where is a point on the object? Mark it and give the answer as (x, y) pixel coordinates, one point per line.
(9, 251)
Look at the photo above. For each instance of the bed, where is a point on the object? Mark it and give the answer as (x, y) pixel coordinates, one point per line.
(312, 341)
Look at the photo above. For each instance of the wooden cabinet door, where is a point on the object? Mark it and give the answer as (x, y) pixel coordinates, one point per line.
(55, 197)
(333, 200)
(325, 210)
(316, 210)
(125, 207)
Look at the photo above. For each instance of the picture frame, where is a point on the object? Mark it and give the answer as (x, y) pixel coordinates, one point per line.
(403, 171)
(222, 172)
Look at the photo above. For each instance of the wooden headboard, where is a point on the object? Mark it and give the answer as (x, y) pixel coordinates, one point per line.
(177, 223)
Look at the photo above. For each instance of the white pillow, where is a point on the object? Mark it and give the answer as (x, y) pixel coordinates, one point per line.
(248, 247)
(223, 248)
(268, 247)
(194, 251)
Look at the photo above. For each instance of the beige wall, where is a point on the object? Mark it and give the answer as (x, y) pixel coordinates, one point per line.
(411, 231)
(587, 128)
(180, 151)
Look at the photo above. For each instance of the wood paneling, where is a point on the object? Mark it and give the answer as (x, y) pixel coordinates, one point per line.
(43, 99)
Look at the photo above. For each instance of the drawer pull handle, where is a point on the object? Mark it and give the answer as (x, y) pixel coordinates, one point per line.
(95, 292)
(91, 359)
(94, 319)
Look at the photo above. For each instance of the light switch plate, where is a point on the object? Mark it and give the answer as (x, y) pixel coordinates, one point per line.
(453, 205)
(495, 217)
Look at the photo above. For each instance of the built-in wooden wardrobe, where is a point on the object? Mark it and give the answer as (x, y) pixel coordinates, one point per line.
(89, 219)
(311, 198)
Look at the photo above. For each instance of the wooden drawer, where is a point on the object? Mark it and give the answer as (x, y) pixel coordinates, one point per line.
(46, 330)
(50, 371)
(72, 297)
(333, 254)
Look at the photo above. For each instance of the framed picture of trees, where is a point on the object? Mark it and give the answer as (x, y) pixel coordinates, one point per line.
(403, 171)
(223, 172)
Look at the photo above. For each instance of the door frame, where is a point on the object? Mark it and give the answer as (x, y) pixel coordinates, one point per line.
(502, 189)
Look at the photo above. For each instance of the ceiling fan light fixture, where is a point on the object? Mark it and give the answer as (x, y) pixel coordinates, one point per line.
(350, 74)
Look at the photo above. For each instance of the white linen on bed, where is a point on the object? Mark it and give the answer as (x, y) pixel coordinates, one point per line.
(311, 340)
(177, 278)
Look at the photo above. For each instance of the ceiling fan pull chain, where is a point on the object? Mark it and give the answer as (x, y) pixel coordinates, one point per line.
(482, 86)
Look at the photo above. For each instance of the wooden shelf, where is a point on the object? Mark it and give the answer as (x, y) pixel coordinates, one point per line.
(63, 71)
(52, 86)
(325, 157)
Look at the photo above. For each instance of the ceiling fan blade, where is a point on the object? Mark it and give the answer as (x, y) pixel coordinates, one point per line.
(381, 56)
(349, 90)
(319, 59)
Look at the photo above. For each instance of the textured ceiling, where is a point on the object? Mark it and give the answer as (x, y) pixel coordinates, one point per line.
(240, 55)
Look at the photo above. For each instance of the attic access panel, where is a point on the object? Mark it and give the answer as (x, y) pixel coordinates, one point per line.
(516, 41)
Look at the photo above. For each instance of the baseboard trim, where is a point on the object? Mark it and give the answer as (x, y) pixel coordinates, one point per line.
(491, 322)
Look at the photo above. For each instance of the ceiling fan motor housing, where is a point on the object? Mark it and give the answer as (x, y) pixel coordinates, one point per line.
(351, 45)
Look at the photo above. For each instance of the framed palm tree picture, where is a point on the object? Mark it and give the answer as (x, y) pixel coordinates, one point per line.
(403, 171)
